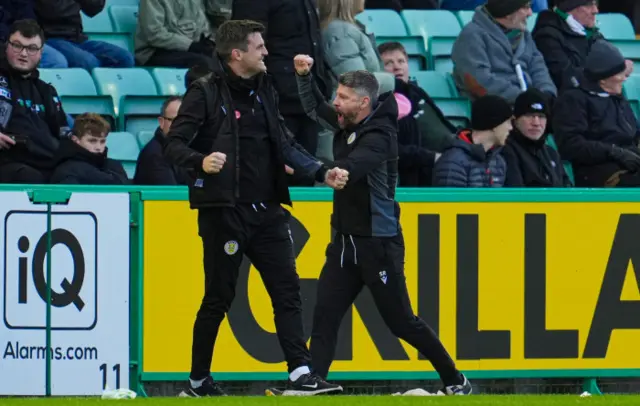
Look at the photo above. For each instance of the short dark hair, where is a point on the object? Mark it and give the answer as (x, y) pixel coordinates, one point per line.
(362, 81)
(194, 73)
(90, 124)
(391, 46)
(234, 34)
(167, 102)
(27, 28)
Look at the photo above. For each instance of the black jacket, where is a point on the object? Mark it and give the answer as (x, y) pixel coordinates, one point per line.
(206, 123)
(366, 207)
(564, 51)
(61, 18)
(13, 10)
(532, 163)
(415, 162)
(76, 165)
(152, 167)
(399, 5)
(31, 111)
(587, 122)
(292, 28)
(465, 164)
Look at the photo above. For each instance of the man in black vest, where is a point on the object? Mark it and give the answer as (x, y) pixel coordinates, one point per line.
(31, 117)
(230, 132)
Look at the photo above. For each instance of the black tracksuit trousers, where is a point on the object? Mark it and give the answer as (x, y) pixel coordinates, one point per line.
(378, 263)
(261, 232)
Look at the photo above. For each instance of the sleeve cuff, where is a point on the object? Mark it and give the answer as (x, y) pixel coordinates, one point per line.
(321, 173)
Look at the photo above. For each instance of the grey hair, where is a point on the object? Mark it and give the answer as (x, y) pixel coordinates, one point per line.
(363, 82)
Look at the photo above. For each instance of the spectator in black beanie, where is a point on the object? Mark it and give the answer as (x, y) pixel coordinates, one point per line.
(530, 161)
(594, 125)
(473, 159)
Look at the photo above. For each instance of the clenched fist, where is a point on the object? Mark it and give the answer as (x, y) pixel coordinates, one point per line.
(303, 64)
(213, 163)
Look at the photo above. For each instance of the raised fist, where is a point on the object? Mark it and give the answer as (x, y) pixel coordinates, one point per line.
(303, 64)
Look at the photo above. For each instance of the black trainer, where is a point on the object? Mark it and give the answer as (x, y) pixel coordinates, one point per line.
(208, 388)
(310, 385)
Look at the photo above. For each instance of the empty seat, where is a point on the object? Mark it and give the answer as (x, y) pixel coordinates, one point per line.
(436, 84)
(77, 92)
(143, 137)
(170, 82)
(465, 17)
(441, 89)
(387, 25)
(123, 147)
(531, 22)
(438, 28)
(615, 26)
(124, 18)
(100, 28)
(100, 23)
(110, 3)
(134, 94)
(631, 87)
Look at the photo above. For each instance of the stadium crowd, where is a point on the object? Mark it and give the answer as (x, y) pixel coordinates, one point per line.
(542, 100)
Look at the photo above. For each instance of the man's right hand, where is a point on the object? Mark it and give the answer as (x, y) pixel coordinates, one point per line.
(213, 163)
(6, 142)
(303, 64)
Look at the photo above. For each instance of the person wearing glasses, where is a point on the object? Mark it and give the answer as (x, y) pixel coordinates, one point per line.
(32, 120)
(152, 168)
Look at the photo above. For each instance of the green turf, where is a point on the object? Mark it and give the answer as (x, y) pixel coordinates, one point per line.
(477, 400)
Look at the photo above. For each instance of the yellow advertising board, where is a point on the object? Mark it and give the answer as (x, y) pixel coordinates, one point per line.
(508, 287)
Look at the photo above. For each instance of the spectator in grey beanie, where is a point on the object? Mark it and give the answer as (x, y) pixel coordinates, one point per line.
(473, 159)
(504, 8)
(594, 125)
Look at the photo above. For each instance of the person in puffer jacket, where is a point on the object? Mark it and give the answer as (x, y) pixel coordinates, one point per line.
(473, 159)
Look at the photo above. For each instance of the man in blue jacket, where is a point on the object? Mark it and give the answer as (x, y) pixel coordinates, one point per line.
(367, 248)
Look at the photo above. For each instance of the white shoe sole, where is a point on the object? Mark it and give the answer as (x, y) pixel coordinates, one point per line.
(292, 392)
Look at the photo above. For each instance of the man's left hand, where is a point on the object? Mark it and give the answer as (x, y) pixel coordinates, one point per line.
(336, 178)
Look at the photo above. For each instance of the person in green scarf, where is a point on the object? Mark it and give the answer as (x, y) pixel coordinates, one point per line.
(565, 36)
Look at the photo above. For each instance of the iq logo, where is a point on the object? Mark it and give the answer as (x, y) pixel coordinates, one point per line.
(74, 290)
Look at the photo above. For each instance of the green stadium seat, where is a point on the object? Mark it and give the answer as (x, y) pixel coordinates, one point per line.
(568, 168)
(124, 18)
(170, 82)
(110, 3)
(123, 147)
(438, 28)
(465, 17)
(134, 94)
(436, 84)
(630, 48)
(143, 137)
(631, 88)
(78, 93)
(98, 24)
(615, 26)
(531, 22)
(387, 25)
(441, 89)
(100, 28)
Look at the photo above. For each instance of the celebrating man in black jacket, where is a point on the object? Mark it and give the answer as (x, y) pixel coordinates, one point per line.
(368, 247)
(230, 132)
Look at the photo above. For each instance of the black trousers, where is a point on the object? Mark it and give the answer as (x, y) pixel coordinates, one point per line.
(378, 263)
(261, 232)
(16, 172)
(178, 59)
